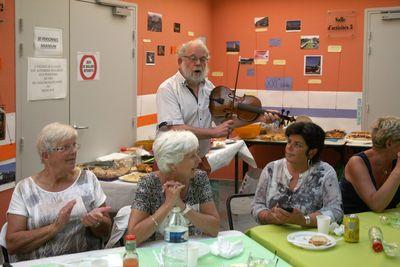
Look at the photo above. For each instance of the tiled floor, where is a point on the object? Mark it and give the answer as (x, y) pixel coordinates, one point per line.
(222, 189)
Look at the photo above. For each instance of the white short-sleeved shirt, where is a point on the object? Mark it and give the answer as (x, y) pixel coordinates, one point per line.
(176, 105)
(41, 208)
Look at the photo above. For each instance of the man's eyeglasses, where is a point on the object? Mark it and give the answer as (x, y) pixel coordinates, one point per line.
(194, 59)
(66, 148)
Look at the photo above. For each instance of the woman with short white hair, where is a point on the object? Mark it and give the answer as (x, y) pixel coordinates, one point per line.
(61, 209)
(177, 184)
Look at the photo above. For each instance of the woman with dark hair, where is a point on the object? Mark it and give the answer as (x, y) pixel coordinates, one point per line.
(372, 177)
(300, 186)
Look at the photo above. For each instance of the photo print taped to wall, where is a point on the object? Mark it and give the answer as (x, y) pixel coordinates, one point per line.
(313, 65)
(309, 42)
(232, 47)
(177, 27)
(293, 25)
(154, 22)
(160, 50)
(150, 58)
(261, 24)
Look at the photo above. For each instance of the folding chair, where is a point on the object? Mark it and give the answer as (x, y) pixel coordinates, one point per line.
(239, 204)
(3, 243)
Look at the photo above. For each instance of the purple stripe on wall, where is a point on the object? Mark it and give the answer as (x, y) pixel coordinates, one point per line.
(7, 167)
(320, 112)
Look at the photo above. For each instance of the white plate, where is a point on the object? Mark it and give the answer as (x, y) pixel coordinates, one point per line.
(203, 249)
(230, 141)
(300, 239)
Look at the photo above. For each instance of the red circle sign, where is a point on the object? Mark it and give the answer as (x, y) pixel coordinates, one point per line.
(88, 67)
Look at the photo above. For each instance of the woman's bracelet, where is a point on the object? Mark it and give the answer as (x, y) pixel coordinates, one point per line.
(154, 221)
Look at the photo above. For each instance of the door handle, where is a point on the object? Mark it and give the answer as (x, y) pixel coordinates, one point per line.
(78, 127)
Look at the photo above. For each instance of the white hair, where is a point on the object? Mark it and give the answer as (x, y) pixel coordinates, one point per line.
(196, 42)
(53, 134)
(171, 147)
(385, 128)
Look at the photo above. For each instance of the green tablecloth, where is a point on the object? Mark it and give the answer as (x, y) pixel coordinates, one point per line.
(146, 257)
(273, 237)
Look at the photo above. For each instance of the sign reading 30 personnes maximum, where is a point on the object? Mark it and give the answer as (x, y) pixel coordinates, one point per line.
(88, 66)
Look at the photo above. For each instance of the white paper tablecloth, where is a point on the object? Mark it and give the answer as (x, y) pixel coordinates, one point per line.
(119, 193)
(219, 158)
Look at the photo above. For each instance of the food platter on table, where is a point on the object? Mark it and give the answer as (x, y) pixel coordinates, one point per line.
(311, 240)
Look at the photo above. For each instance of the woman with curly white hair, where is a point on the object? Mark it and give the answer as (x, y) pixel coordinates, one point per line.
(61, 209)
(178, 183)
(372, 177)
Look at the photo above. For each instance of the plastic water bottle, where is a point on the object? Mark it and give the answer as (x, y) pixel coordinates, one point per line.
(176, 234)
(376, 237)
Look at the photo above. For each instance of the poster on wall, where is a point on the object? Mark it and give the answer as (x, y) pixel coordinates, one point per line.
(309, 42)
(47, 42)
(313, 65)
(150, 58)
(293, 25)
(7, 174)
(261, 57)
(47, 78)
(154, 22)
(177, 27)
(232, 47)
(88, 66)
(261, 24)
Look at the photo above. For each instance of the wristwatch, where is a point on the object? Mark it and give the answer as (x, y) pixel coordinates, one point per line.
(186, 210)
(307, 219)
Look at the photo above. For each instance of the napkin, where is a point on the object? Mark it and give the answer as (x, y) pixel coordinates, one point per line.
(336, 229)
(225, 248)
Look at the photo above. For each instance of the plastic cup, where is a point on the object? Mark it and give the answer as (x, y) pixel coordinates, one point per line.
(323, 223)
(193, 254)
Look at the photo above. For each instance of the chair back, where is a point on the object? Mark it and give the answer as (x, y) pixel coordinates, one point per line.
(238, 204)
(3, 243)
(119, 226)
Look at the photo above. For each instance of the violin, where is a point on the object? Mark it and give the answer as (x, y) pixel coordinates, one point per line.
(225, 103)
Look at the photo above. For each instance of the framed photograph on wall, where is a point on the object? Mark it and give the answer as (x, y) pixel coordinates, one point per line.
(261, 23)
(160, 50)
(150, 58)
(233, 46)
(293, 25)
(177, 27)
(154, 22)
(313, 65)
(309, 42)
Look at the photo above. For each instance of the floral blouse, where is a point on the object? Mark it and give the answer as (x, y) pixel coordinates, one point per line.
(317, 190)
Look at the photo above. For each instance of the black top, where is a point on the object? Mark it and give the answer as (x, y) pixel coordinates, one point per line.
(352, 203)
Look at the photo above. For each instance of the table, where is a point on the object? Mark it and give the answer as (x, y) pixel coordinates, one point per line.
(273, 237)
(119, 194)
(146, 256)
(222, 157)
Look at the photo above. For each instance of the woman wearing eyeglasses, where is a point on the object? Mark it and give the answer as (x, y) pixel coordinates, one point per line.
(61, 209)
(300, 186)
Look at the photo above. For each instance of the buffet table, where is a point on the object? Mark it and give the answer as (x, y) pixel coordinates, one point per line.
(113, 257)
(274, 237)
(120, 193)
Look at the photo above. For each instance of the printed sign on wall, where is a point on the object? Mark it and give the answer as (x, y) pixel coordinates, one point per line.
(47, 42)
(88, 66)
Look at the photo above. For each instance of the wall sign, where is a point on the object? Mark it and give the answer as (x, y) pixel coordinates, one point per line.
(47, 78)
(47, 42)
(88, 66)
(341, 23)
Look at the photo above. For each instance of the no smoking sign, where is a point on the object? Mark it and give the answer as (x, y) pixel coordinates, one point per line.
(88, 68)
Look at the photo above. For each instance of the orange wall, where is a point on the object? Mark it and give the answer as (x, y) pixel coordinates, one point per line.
(233, 20)
(7, 88)
(193, 15)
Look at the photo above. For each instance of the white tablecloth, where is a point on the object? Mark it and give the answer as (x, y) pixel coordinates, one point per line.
(111, 255)
(219, 158)
(119, 193)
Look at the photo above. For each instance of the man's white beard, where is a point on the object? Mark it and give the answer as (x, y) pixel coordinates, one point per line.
(192, 78)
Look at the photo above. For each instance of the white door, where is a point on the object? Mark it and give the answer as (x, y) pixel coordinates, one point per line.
(105, 106)
(381, 92)
(31, 116)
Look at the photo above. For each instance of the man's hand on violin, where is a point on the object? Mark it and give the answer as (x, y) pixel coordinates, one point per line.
(223, 129)
(268, 117)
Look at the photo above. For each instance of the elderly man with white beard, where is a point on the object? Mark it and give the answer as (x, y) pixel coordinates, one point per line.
(183, 100)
